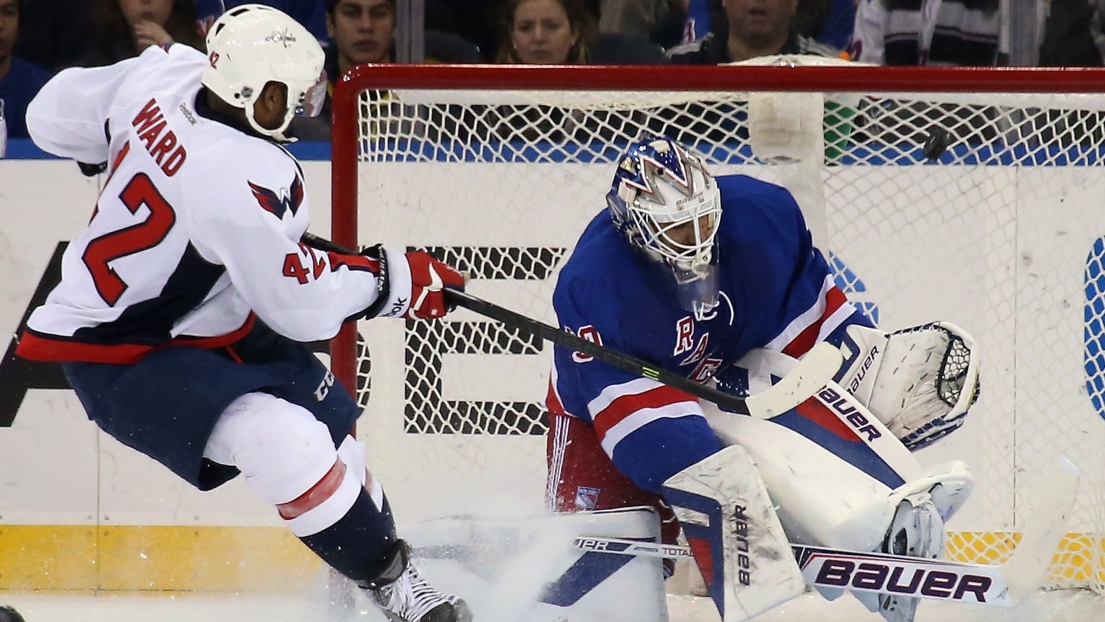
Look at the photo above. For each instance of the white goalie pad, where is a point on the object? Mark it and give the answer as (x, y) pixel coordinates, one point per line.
(737, 539)
(824, 501)
(542, 569)
(919, 381)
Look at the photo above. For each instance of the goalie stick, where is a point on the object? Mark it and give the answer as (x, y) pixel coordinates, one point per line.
(812, 372)
(1002, 585)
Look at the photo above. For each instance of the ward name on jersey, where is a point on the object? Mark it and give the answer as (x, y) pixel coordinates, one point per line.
(164, 258)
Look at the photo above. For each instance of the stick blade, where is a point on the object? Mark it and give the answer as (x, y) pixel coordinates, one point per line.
(1054, 499)
(810, 374)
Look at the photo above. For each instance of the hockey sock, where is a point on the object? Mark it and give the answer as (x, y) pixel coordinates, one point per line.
(360, 543)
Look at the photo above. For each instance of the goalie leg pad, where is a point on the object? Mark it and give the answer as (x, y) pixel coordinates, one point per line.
(737, 539)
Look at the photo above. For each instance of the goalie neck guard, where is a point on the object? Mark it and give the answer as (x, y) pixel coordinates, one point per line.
(667, 205)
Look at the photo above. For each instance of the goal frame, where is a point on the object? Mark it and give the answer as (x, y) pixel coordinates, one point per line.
(348, 88)
(1029, 90)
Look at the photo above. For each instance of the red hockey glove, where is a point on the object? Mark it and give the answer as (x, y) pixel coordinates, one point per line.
(429, 278)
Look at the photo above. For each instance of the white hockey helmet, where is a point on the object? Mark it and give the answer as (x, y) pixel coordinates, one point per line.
(666, 203)
(251, 45)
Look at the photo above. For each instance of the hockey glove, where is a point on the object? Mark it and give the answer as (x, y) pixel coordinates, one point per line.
(429, 278)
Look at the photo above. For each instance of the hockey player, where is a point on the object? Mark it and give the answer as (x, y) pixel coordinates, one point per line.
(695, 274)
(183, 305)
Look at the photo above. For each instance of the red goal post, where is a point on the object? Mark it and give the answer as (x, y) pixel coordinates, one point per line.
(1000, 234)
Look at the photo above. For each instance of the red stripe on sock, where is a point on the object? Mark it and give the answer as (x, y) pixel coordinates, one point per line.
(315, 495)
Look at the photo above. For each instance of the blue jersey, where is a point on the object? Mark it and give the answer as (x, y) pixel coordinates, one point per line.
(776, 291)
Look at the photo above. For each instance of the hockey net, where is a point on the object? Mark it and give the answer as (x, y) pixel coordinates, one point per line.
(497, 171)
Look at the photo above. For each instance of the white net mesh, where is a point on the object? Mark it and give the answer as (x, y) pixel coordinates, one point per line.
(1002, 233)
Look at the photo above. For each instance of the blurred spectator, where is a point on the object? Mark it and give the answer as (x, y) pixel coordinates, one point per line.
(476, 21)
(53, 34)
(638, 18)
(19, 79)
(310, 13)
(928, 32)
(751, 28)
(123, 28)
(207, 11)
(1073, 34)
(546, 32)
(827, 21)
(363, 32)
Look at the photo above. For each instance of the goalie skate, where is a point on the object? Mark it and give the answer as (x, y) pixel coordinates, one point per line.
(410, 598)
(917, 531)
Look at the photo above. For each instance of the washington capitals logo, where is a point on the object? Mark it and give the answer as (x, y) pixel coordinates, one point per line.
(277, 203)
(282, 36)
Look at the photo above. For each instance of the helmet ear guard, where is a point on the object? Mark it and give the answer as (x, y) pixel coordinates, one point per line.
(665, 203)
(252, 45)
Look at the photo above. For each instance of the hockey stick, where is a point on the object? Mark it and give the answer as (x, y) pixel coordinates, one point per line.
(1002, 585)
(810, 374)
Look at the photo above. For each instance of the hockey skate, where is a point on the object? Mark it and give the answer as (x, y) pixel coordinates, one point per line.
(410, 598)
(917, 531)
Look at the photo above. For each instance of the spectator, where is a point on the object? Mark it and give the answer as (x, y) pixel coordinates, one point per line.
(828, 21)
(19, 79)
(751, 28)
(546, 32)
(1073, 35)
(53, 34)
(930, 32)
(637, 18)
(126, 27)
(207, 11)
(476, 21)
(363, 32)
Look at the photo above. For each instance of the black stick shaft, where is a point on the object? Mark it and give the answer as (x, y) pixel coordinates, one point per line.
(568, 340)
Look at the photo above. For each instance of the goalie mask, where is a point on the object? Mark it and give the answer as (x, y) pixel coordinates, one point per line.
(252, 45)
(667, 205)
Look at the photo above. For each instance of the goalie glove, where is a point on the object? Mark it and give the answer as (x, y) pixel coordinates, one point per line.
(919, 381)
(411, 285)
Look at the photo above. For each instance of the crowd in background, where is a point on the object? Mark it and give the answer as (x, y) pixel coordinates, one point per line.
(41, 37)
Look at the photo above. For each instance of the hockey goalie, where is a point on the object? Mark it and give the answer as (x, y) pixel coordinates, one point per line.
(717, 279)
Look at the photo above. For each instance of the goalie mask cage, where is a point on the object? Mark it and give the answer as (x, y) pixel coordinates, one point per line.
(498, 169)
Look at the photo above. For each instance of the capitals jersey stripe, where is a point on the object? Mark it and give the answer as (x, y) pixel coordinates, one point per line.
(191, 281)
(38, 346)
(829, 311)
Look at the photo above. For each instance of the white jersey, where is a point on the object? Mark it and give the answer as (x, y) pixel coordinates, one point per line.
(197, 227)
(928, 32)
